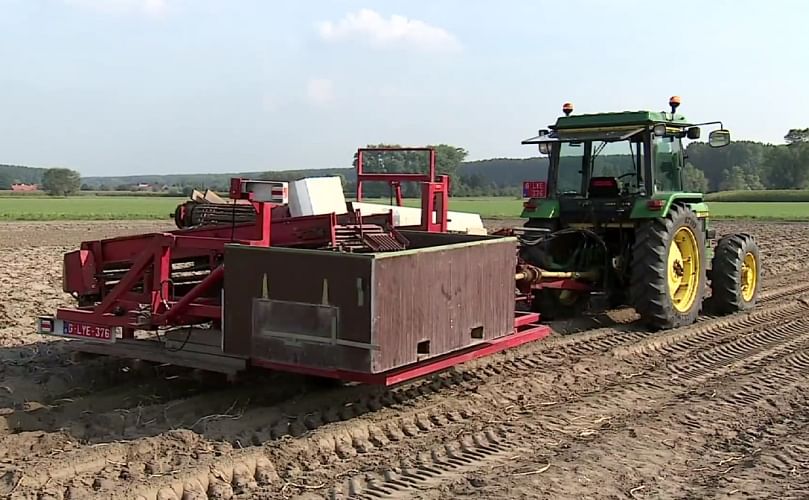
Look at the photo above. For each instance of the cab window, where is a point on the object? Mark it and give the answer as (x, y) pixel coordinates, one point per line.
(570, 173)
(667, 166)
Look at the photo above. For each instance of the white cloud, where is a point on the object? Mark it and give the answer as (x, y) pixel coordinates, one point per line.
(396, 31)
(320, 91)
(154, 8)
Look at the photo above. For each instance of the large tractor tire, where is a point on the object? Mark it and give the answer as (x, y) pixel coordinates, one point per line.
(668, 277)
(735, 274)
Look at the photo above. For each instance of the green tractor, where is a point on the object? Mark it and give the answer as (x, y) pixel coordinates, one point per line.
(612, 225)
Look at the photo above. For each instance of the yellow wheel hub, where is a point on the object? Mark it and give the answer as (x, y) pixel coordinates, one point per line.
(684, 268)
(749, 279)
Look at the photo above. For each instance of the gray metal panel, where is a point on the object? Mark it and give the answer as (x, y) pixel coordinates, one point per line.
(285, 319)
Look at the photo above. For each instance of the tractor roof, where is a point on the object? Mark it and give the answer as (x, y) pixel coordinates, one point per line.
(618, 119)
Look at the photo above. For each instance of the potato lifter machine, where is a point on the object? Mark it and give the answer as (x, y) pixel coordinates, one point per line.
(253, 283)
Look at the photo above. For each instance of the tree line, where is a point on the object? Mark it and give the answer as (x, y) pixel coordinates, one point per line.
(742, 165)
(749, 165)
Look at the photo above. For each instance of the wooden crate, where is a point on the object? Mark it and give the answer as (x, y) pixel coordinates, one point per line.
(368, 313)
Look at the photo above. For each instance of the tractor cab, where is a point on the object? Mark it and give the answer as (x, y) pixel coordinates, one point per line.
(614, 220)
(610, 168)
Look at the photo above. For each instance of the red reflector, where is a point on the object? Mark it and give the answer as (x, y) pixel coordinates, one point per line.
(655, 204)
(603, 183)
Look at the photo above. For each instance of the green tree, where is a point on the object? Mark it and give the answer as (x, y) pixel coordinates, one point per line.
(694, 179)
(787, 167)
(753, 181)
(734, 179)
(796, 135)
(60, 181)
(447, 160)
(715, 161)
(5, 180)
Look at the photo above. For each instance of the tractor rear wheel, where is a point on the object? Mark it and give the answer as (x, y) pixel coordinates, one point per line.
(735, 274)
(668, 277)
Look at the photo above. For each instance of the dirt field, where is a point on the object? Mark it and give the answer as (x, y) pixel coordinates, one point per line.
(601, 410)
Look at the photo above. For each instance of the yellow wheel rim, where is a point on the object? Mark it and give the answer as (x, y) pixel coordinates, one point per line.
(749, 276)
(684, 268)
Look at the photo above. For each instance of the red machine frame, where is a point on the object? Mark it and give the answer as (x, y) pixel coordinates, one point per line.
(526, 329)
(140, 293)
(434, 193)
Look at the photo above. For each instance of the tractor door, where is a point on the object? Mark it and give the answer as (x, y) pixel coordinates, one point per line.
(667, 164)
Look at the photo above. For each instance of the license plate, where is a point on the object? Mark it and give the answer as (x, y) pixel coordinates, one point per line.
(83, 330)
(534, 189)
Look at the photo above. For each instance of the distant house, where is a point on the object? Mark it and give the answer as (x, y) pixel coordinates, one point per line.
(24, 187)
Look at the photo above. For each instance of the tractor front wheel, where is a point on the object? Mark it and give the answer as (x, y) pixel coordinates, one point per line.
(668, 277)
(735, 274)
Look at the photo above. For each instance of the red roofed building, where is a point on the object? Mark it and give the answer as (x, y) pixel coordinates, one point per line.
(24, 187)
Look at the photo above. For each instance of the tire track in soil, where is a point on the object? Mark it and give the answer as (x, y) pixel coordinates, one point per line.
(599, 433)
(94, 418)
(69, 405)
(252, 429)
(426, 422)
(769, 459)
(590, 342)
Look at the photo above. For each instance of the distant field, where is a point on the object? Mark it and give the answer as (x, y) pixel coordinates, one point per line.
(87, 208)
(771, 195)
(143, 208)
(486, 206)
(510, 207)
(42, 194)
(760, 210)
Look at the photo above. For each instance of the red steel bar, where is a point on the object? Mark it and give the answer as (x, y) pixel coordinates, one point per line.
(521, 335)
(180, 306)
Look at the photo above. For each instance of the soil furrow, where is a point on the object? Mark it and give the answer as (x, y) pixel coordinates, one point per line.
(635, 394)
(587, 421)
(84, 428)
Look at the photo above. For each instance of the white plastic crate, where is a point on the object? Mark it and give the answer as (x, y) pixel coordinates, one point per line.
(462, 222)
(316, 196)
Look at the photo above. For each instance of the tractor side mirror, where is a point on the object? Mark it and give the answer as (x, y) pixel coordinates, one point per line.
(693, 133)
(719, 138)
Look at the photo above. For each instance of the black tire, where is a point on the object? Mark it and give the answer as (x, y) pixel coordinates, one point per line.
(727, 294)
(649, 285)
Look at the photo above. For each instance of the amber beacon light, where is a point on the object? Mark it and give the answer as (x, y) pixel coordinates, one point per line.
(674, 102)
(567, 108)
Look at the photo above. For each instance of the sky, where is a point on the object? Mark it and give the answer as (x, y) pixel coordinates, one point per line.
(116, 87)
